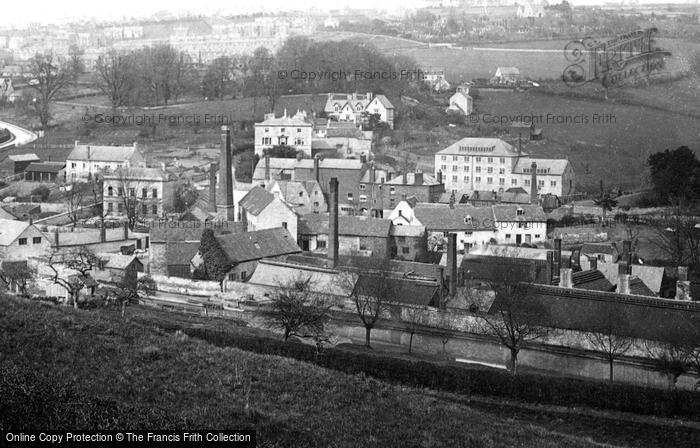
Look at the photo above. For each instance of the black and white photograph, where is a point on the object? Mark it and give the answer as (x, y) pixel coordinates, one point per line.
(350, 223)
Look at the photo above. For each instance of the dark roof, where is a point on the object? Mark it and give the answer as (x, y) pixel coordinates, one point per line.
(190, 231)
(246, 246)
(635, 316)
(317, 223)
(399, 289)
(180, 253)
(603, 248)
(493, 268)
(256, 200)
(639, 288)
(591, 280)
(45, 167)
(510, 213)
(446, 218)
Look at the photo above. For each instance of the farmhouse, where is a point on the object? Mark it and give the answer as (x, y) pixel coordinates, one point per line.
(461, 103)
(85, 161)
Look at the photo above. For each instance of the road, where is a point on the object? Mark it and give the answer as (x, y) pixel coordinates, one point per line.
(21, 135)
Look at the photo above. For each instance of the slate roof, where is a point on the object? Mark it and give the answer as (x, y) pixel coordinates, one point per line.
(384, 101)
(428, 180)
(591, 280)
(442, 217)
(118, 261)
(640, 316)
(31, 157)
(189, 231)
(246, 246)
(637, 287)
(180, 253)
(317, 223)
(496, 147)
(45, 167)
(141, 173)
(410, 231)
(322, 280)
(399, 290)
(256, 200)
(278, 165)
(10, 230)
(555, 166)
(102, 153)
(285, 121)
(531, 213)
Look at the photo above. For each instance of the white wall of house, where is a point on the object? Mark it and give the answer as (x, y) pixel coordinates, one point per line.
(276, 214)
(514, 232)
(31, 243)
(297, 136)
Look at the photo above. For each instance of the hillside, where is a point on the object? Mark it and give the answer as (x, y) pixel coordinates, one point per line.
(134, 374)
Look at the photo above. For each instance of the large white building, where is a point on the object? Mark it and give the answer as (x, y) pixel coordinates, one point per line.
(491, 164)
(149, 192)
(295, 131)
(85, 161)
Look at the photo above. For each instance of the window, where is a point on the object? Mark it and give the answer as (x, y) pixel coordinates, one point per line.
(120, 207)
(298, 130)
(466, 167)
(501, 181)
(232, 277)
(349, 196)
(154, 209)
(507, 236)
(72, 165)
(489, 170)
(267, 140)
(363, 198)
(282, 130)
(455, 168)
(478, 159)
(144, 193)
(527, 181)
(315, 204)
(321, 244)
(501, 171)
(489, 160)
(441, 158)
(110, 191)
(301, 194)
(284, 225)
(110, 207)
(519, 212)
(120, 191)
(36, 240)
(466, 178)
(553, 183)
(392, 190)
(477, 179)
(267, 129)
(502, 160)
(22, 241)
(132, 192)
(244, 276)
(83, 165)
(537, 236)
(443, 167)
(540, 183)
(454, 178)
(454, 158)
(489, 180)
(144, 209)
(362, 186)
(155, 193)
(405, 250)
(477, 169)
(514, 181)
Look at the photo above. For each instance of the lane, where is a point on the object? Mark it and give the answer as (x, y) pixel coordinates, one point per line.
(21, 136)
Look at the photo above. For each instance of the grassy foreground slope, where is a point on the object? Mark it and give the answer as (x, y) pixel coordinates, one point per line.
(116, 367)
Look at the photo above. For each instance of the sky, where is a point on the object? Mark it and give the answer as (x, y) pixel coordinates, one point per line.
(52, 11)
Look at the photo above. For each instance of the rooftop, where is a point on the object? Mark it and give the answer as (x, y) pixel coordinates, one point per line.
(246, 246)
(460, 217)
(256, 200)
(317, 223)
(492, 147)
(102, 153)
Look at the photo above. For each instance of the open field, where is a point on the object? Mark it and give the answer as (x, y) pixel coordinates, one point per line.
(185, 383)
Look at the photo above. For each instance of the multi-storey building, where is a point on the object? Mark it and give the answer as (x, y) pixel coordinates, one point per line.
(85, 161)
(491, 164)
(143, 192)
(295, 132)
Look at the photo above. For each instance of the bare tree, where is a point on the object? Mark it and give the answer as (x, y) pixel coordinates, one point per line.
(512, 318)
(47, 78)
(411, 322)
(17, 275)
(75, 201)
(115, 72)
(677, 237)
(298, 311)
(610, 335)
(677, 351)
(71, 269)
(129, 289)
(130, 194)
(371, 294)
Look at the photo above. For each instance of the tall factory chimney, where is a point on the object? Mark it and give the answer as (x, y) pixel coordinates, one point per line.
(225, 204)
(533, 183)
(213, 169)
(333, 223)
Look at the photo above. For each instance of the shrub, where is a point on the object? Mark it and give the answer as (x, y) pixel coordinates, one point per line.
(532, 388)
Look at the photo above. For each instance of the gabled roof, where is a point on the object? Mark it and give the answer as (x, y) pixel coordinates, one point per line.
(428, 180)
(637, 287)
(551, 166)
(118, 261)
(317, 223)
(591, 280)
(102, 153)
(652, 276)
(478, 146)
(256, 200)
(285, 120)
(384, 101)
(31, 157)
(45, 167)
(509, 197)
(10, 230)
(278, 164)
(508, 70)
(507, 212)
(442, 217)
(399, 289)
(290, 189)
(137, 173)
(246, 246)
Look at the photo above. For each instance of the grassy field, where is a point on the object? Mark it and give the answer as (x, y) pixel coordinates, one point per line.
(189, 384)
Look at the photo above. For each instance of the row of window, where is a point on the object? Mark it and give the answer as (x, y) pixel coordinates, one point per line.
(132, 192)
(35, 240)
(144, 208)
(74, 165)
(501, 160)
(283, 129)
(502, 181)
(282, 141)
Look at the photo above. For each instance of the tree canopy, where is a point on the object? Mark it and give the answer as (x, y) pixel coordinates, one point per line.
(675, 175)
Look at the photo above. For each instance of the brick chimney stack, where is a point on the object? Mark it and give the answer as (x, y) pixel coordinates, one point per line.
(418, 178)
(213, 169)
(439, 176)
(333, 223)
(452, 262)
(682, 284)
(557, 254)
(623, 279)
(316, 170)
(566, 278)
(225, 201)
(533, 183)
